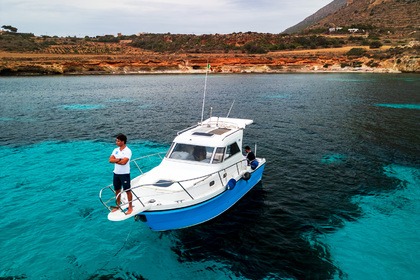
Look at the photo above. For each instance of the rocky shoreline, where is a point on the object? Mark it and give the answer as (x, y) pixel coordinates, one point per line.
(319, 60)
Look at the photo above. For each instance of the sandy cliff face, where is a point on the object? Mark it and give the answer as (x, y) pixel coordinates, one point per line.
(135, 61)
(277, 62)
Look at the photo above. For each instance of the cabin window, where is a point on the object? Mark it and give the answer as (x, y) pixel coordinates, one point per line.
(170, 149)
(232, 149)
(218, 155)
(191, 152)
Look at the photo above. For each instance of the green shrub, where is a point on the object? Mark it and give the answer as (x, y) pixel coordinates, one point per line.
(356, 52)
(375, 44)
(254, 49)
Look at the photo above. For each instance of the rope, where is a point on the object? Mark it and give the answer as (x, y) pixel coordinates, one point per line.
(128, 235)
(126, 239)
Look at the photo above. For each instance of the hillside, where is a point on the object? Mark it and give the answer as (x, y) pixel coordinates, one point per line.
(399, 18)
(351, 35)
(329, 9)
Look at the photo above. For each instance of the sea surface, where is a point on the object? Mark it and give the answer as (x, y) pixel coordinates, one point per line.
(339, 199)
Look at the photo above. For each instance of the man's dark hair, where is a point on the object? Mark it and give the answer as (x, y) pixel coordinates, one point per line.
(247, 148)
(122, 137)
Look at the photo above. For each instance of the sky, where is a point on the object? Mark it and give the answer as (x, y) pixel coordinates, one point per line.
(102, 17)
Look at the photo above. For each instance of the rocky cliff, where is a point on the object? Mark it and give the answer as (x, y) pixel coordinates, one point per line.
(385, 59)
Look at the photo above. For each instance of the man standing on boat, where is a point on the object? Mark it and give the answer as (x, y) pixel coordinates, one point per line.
(250, 156)
(121, 158)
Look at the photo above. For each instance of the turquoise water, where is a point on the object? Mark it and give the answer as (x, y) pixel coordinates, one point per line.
(339, 198)
(384, 242)
(55, 227)
(82, 106)
(333, 158)
(400, 106)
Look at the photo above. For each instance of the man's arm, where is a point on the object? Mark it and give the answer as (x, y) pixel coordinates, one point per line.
(122, 161)
(113, 159)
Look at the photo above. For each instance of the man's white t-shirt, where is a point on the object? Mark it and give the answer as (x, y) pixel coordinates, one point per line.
(125, 153)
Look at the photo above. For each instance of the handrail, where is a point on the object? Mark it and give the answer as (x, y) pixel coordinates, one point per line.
(185, 129)
(179, 183)
(134, 161)
(151, 155)
(203, 177)
(100, 195)
(217, 123)
(222, 123)
(231, 133)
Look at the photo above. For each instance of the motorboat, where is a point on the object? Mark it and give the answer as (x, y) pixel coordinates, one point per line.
(202, 175)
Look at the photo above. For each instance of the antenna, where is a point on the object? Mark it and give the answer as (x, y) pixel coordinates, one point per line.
(205, 89)
(231, 106)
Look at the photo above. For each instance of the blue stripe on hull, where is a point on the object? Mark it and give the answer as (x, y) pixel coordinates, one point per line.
(193, 215)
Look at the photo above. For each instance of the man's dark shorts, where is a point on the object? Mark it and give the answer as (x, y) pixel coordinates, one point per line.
(121, 180)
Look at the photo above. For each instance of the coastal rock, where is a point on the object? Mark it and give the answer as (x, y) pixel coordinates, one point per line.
(383, 60)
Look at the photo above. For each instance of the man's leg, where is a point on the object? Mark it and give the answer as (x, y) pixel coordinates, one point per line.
(117, 187)
(130, 202)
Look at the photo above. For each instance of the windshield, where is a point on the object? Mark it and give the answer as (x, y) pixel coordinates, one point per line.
(191, 152)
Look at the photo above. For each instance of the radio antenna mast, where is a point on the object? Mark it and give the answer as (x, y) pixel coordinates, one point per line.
(205, 89)
(230, 109)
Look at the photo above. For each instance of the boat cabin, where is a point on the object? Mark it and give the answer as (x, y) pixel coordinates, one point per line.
(213, 141)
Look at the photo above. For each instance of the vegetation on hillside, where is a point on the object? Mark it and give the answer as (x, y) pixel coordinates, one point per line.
(340, 23)
(364, 34)
(249, 42)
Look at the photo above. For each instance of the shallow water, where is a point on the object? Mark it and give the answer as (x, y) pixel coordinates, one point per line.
(339, 198)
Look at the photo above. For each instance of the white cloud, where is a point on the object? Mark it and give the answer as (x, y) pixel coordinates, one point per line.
(98, 17)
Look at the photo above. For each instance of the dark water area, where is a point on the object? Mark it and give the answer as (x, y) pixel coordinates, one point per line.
(341, 150)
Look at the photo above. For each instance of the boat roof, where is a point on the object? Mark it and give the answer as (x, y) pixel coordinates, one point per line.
(227, 122)
(213, 132)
